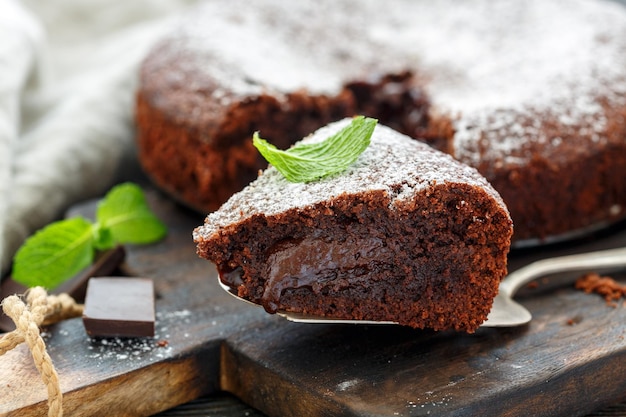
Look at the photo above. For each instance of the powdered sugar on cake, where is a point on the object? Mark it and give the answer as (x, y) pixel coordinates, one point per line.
(503, 64)
(491, 66)
(391, 162)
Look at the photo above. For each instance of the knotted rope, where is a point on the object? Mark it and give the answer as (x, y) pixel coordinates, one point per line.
(39, 309)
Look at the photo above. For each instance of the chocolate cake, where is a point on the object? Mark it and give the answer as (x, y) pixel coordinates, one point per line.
(532, 94)
(406, 234)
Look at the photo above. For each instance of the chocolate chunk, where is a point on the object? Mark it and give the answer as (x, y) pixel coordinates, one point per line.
(119, 307)
(106, 264)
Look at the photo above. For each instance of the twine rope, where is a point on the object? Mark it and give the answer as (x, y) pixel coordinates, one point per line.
(39, 309)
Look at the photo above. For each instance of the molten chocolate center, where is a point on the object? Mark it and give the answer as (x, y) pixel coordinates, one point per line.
(315, 263)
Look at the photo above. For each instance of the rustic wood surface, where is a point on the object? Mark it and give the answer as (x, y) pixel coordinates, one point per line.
(570, 360)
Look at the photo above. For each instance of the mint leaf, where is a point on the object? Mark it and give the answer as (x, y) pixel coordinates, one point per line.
(126, 215)
(313, 161)
(55, 253)
(64, 248)
(103, 238)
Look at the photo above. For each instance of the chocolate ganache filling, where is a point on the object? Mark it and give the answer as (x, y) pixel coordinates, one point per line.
(314, 263)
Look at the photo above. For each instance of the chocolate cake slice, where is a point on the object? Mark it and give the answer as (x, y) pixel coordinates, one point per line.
(406, 234)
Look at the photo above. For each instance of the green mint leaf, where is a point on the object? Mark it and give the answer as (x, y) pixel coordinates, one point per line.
(125, 214)
(64, 248)
(55, 253)
(313, 161)
(103, 238)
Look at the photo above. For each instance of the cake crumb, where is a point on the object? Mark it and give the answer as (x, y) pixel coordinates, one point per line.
(574, 320)
(605, 286)
(532, 285)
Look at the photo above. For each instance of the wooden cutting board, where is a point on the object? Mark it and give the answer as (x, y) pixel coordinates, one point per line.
(570, 360)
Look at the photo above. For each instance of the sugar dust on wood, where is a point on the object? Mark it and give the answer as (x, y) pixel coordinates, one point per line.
(151, 349)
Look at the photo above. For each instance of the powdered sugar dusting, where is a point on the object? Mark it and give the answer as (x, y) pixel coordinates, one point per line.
(500, 67)
(515, 54)
(495, 67)
(241, 48)
(391, 162)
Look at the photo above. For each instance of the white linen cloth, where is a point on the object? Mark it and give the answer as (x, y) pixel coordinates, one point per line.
(68, 73)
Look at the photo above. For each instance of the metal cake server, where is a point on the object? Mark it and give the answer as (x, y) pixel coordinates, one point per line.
(505, 312)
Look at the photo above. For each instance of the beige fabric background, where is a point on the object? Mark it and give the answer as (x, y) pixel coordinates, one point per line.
(68, 75)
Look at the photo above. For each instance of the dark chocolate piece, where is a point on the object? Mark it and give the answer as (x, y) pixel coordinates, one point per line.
(106, 263)
(119, 307)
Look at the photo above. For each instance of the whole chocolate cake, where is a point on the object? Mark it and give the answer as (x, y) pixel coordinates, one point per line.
(532, 94)
(406, 234)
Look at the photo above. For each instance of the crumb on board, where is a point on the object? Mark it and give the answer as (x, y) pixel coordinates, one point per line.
(605, 286)
(532, 285)
(574, 320)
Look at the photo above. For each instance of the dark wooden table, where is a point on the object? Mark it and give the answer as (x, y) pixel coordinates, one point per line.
(226, 405)
(218, 356)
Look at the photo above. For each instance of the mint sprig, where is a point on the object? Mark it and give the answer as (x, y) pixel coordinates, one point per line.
(63, 248)
(125, 213)
(306, 162)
